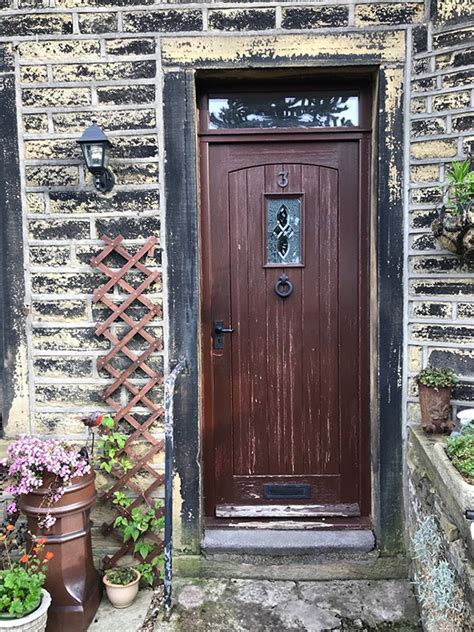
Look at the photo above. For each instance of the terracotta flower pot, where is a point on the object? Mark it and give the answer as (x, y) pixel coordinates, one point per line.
(122, 596)
(72, 580)
(435, 409)
(33, 622)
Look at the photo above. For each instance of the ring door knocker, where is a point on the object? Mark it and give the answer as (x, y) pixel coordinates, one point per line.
(283, 287)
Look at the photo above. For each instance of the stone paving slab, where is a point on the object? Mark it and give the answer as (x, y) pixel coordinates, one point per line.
(110, 619)
(241, 605)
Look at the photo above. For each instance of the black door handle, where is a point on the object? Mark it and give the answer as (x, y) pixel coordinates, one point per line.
(219, 331)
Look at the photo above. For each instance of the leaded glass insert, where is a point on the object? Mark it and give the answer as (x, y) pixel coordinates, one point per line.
(266, 110)
(283, 230)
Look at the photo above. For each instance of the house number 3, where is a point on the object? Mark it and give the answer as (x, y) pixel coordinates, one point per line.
(282, 179)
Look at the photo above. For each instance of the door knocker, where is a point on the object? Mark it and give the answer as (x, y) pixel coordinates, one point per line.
(282, 179)
(283, 287)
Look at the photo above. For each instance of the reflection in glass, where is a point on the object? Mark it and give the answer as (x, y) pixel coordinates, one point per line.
(283, 230)
(270, 111)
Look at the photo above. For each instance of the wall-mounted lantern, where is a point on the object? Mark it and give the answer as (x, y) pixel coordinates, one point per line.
(95, 149)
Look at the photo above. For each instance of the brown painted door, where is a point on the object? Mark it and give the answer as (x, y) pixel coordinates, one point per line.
(285, 414)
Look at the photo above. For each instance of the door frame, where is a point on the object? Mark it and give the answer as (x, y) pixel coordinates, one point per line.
(182, 237)
(362, 135)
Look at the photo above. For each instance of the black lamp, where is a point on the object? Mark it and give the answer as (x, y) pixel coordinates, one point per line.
(95, 149)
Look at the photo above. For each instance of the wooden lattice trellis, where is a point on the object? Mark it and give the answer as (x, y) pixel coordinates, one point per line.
(121, 329)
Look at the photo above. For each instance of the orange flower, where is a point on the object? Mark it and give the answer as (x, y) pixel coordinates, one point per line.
(36, 549)
(42, 541)
(24, 558)
(49, 555)
(10, 527)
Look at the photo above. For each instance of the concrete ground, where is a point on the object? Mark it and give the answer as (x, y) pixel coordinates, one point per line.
(240, 605)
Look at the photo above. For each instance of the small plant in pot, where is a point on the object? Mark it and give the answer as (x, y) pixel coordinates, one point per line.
(121, 585)
(24, 602)
(434, 389)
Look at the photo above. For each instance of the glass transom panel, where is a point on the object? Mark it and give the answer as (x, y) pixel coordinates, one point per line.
(283, 230)
(266, 110)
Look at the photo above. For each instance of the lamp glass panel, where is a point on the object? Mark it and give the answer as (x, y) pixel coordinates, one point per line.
(94, 154)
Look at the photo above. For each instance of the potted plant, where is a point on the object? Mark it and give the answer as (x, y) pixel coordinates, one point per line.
(24, 602)
(53, 485)
(434, 390)
(454, 227)
(121, 585)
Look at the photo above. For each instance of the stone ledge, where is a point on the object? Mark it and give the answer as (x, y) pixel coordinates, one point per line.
(453, 490)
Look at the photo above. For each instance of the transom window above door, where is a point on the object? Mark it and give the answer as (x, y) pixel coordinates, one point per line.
(289, 109)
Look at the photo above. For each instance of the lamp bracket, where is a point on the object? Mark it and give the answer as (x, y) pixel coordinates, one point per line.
(104, 181)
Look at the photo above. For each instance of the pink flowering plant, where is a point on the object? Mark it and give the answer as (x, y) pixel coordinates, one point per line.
(32, 463)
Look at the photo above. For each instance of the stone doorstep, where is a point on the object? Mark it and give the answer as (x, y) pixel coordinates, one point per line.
(272, 542)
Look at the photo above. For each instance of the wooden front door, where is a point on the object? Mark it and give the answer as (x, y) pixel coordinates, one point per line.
(284, 243)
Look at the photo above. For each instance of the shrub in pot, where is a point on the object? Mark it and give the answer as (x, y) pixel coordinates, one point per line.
(434, 389)
(24, 602)
(121, 585)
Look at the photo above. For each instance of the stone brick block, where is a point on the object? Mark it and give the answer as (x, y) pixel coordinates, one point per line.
(84, 254)
(57, 49)
(138, 173)
(35, 203)
(415, 358)
(35, 24)
(241, 19)
(68, 339)
(427, 127)
(464, 391)
(130, 227)
(76, 122)
(65, 282)
(465, 311)
(51, 149)
(462, 58)
(35, 123)
(461, 361)
(61, 310)
(442, 287)
(426, 195)
(32, 4)
(130, 46)
(59, 424)
(437, 264)
(426, 241)
(461, 334)
(167, 21)
(434, 149)
(50, 256)
(314, 17)
(135, 147)
(463, 123)
(385, 13)
(48, 97)
(59, 229)
(51, 176)
(63, 366)
(33, 74)
(424, 85)
(70, 394)
(419, 39)
(123, 202)
(458, 79)
(424, 173)
(453, 38)
(452, 101)
(92, 23)
(430, 309)
(70, 4)
(422, 218)
(105, 71)
(126, 95)
(421, 66)
(419, 105)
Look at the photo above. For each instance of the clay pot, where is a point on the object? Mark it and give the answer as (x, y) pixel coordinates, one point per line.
(122, 596)
(435, 409)
(33, 622)
(72, 580)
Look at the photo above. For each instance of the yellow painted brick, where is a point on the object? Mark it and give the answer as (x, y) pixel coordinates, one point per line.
(424, 173)
(389, 13)
(418, 105)
(59, 50)
(35, 203)
(35, 123)
(452, 101)
(434, 149)
(415, 358)
(33, 74)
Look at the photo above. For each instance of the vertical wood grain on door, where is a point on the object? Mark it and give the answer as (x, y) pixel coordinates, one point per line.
(286, 397)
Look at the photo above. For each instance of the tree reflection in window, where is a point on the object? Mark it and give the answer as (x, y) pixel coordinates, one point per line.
(270, 111)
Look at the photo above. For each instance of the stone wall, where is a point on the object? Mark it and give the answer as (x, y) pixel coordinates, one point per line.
(439, 285)
(441, 539)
